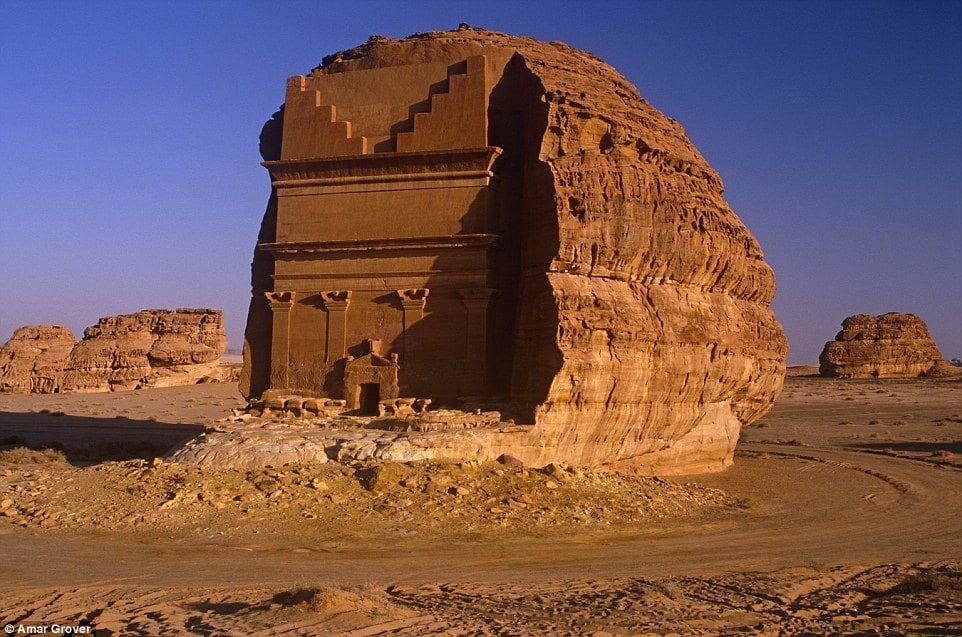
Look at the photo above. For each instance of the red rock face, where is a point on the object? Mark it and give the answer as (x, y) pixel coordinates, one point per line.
(892, 345)
(641, 333)
(148, 348)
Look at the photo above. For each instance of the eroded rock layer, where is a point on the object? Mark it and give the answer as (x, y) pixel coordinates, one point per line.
(32, 361)
(640, 332)
(892, 345)
(151, 348)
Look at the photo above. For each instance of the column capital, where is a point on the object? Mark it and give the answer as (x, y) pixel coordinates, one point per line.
(336, 299)
(280, 301)
(413, 294)
(477, 298)
(414, 298)
(477, 294)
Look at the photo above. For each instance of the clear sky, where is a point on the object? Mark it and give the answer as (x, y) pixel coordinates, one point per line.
(130, 177)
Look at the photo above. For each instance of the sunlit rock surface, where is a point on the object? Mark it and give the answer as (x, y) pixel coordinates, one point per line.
(892, 345)
(151, 348)
(629, 325)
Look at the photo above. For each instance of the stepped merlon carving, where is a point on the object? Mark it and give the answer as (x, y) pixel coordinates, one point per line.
(457, 119)
(318, 132)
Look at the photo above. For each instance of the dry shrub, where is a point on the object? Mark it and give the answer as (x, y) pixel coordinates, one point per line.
(24, 455)
(927, 582)
(332, 599)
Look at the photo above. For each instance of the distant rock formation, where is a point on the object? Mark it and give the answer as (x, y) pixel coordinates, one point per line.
(151, 348)
(521, 228)
(945, 368)
(892, 345)
(32, 361)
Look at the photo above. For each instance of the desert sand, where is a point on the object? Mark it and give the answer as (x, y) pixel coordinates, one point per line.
(840, 515)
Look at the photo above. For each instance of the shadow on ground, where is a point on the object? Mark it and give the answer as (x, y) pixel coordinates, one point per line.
(85, 440)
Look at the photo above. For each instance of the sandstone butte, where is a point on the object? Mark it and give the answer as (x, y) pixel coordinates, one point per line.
(496, 223)
(892, 345)
(151, 348)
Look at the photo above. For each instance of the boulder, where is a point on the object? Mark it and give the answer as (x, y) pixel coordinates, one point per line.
(151, 348)
(944, 369)
(32, 361)
(636, 329)
(892, 345)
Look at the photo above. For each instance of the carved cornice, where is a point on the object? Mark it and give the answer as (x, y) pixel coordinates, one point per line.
(383, 167)
(374, 245)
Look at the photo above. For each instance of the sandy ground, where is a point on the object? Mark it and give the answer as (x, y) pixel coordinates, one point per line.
(840, 516)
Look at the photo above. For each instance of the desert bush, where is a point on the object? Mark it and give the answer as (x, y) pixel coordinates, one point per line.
(25, 455)
(327, 598)
(928, 582)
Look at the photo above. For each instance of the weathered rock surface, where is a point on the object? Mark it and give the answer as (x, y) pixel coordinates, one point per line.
(944, 368)
(155, 348)
(32, 361)
(892, 345)
(644, 337)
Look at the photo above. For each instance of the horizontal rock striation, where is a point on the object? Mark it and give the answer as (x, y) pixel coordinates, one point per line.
(643, 334)
(32, 361)
(151, 348)
(892, 345)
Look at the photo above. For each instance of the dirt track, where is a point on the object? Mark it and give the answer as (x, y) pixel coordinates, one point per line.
(849, 520)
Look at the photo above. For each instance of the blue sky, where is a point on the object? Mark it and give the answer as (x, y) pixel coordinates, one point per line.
(130, 178)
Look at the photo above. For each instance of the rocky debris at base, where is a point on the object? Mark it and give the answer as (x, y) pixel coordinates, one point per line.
(397, 414)
(892, 345)
(151, 348)
(43, 491)
(251, 442)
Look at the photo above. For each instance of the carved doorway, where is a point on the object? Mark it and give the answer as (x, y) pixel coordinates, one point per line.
(370, 379)
(369, 399)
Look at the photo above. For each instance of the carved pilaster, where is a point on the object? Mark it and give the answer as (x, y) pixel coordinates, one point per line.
(336, 303)
(412, 303)
(281, 304)
(476, 301)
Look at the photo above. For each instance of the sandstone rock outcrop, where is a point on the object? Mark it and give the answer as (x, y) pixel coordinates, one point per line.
(892, 345)
(151, 348)
(622, 308)
(155, 348)
(32, 361)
